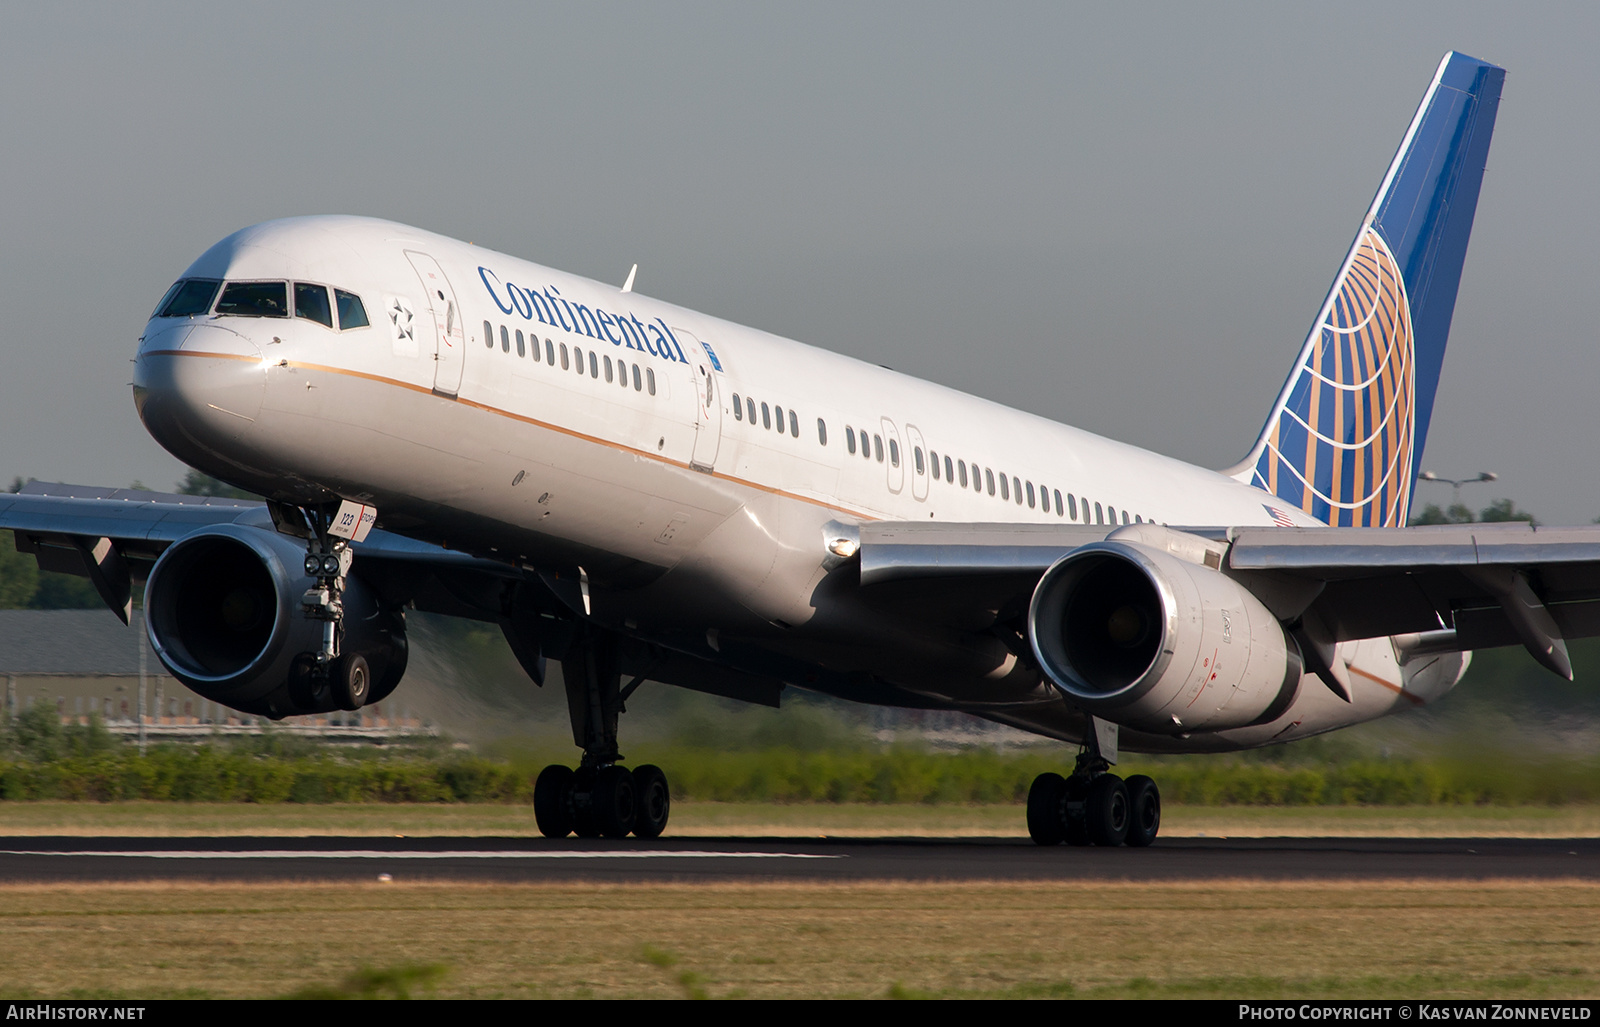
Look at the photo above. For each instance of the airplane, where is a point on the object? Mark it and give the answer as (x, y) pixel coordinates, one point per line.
(643, 493)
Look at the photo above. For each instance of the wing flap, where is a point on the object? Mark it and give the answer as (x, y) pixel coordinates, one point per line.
(1492, 584)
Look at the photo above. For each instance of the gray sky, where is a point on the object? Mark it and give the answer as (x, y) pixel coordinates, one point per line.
(1120, 216)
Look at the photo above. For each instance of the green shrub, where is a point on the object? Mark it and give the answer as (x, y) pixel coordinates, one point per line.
(54, 766)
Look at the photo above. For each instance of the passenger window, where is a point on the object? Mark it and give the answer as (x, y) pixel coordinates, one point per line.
(189, 297)
(988, 477)
(522, 346)
(594, 366)
(611, 372)
(850, 440)
(1111, 514)
(577, 357)
(738, 407)
(352, 314)
(794, 423)
(778, 414)
(1099, 515)
(1124, 517)
(650, 380)
(1072, 505)
(1016, 489)
(311, 303)
(637, 387)
(947, 475)
(822, 432)
(1060, 512)
(1005, 493)
(488, 335)
(877, 446)
(894, 453)
(549, 353)
(505, 340)
(1030, 495)
(254, 299)
(962, 465)
(566, 364)
(766, 417)
(933, 458)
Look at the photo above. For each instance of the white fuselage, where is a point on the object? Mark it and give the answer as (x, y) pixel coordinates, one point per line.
(694, 524)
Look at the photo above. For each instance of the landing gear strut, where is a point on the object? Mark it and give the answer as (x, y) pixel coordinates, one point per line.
(326, 675)
(1093, 807)
(601, 798)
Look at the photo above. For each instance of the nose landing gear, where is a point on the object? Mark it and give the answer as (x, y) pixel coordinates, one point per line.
(327, 675)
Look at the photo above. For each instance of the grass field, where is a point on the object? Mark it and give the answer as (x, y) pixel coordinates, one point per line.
(1241, 939)
(1216, 940)
(710, 819)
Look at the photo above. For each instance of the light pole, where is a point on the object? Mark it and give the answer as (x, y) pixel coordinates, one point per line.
(1455, 500)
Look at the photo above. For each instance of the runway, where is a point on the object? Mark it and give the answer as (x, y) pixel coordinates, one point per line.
(508, 860)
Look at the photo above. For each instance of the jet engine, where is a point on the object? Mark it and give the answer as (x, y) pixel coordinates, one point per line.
(1155, 638)
(222, 607)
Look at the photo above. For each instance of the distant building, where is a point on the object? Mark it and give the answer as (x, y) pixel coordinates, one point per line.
(88, 661)
(81, 659)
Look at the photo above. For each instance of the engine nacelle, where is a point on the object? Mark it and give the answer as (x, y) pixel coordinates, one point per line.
(222, 608)
(1138, 636)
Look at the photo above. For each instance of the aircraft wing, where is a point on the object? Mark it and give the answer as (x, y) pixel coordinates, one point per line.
(1449, 587)
(112, 536)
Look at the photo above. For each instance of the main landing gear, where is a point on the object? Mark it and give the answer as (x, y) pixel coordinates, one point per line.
(600, 799)
(1093, 807)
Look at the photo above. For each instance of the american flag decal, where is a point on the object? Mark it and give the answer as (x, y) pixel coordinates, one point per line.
(1279, 518)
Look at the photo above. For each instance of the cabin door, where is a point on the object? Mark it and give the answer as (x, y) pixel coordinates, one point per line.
(919, 463)
(707, 401)
(896, 464)
(449, 336)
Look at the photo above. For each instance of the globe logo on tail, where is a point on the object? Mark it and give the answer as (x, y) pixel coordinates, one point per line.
(1340, 447)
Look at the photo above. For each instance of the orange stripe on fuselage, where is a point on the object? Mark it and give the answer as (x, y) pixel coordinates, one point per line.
(646, 454)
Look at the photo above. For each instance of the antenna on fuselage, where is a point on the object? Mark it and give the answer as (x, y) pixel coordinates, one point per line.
(628, 285)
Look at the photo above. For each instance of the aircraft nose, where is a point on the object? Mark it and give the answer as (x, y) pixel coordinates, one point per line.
(198, 387)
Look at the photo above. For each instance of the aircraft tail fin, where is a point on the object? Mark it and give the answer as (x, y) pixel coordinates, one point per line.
(1344, 440)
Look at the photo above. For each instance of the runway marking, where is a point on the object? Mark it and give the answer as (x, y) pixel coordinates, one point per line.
(411, 854)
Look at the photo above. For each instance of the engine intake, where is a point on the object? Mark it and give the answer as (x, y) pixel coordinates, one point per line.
(222, 608)
(1137, 635)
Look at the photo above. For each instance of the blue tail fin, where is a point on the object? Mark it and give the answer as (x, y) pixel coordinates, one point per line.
(1345, 439)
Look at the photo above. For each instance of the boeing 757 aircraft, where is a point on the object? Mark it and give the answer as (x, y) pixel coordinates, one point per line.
(644, 492)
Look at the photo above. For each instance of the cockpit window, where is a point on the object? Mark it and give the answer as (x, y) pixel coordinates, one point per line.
(188, 297)
(351, 313)
(255, 299)
(311, 303)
